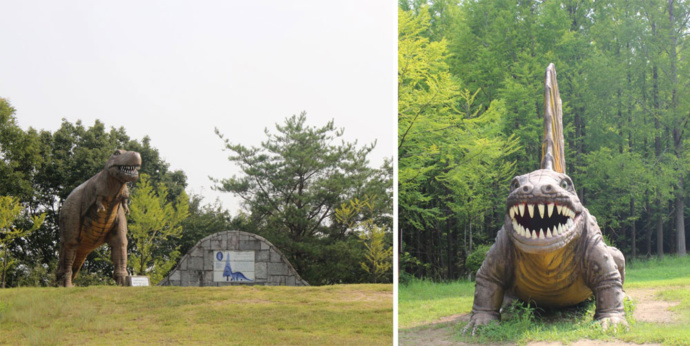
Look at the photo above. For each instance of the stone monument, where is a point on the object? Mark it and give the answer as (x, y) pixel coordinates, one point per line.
(233, 258)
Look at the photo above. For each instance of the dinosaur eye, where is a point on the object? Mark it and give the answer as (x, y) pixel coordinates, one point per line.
(514, 185)
(564, 184)
(117, 152)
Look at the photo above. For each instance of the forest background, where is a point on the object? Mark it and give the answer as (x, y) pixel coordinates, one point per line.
(305, 189)
(470, 78)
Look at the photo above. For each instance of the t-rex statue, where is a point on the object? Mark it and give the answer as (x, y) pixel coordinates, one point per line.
(94, 214)
(550, 250)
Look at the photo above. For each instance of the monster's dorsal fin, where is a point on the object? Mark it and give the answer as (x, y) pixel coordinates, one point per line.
(552, 154)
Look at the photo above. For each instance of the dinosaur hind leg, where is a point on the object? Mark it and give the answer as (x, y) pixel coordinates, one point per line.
(64, 274)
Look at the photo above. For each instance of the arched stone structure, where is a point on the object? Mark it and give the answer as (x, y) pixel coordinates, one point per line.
(233, 258)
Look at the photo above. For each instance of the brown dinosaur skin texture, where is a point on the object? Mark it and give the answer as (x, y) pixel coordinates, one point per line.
(554, 270)
(94, 214)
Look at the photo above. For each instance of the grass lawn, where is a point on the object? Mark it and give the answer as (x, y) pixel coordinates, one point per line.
(341, 314)
(423, 304)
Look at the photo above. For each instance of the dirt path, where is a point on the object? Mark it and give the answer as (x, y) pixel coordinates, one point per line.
(440, 332)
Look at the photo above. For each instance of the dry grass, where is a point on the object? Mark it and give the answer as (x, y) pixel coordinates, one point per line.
(342, 314)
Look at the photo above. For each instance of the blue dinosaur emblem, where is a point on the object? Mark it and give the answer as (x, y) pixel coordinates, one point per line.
(233, 276)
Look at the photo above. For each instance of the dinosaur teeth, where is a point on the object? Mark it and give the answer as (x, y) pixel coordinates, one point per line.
(559, 210)
(511, 212)
(521, 209)
(530, 209)
(541, 233)
(549, 209)
(541, 210)
(548, 233)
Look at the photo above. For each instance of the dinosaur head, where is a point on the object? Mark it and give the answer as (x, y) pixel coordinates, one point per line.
(543, 211)
(124, 165)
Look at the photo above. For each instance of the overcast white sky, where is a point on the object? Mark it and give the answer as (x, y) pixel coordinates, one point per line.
(174, 70)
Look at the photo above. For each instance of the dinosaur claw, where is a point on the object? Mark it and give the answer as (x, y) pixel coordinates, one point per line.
(614, 322)
(478, 320)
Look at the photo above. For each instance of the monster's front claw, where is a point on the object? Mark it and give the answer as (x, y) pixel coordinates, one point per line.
(614, 322)
(479, 319)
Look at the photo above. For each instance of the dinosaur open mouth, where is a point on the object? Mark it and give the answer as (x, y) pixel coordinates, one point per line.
(129, 170)
(542, 220)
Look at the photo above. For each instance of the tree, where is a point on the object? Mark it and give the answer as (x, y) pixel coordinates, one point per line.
(153, 221)
(452, 156)
(291, 186)
(379, 253)
(11, 210)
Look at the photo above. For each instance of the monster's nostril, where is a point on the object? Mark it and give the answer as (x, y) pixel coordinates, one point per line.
(525, 188)
(548, 187)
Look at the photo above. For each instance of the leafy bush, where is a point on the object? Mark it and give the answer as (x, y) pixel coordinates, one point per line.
(476, 258)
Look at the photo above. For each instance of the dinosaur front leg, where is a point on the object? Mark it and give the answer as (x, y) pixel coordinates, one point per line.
(488, 297)
(492, 279)
(605, 279)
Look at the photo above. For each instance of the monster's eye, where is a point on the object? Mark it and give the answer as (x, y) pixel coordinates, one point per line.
(514, 185)
(564, 184)
(117, 152)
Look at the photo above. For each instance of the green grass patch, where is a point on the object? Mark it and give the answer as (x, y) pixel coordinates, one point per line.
(422, 304)
(341, 314)
(423, 301)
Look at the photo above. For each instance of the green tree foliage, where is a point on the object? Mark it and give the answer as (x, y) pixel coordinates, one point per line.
(451, 152)
(620, 76)
(152, 221)
(379, 252)
(10, 211)
(291, 186)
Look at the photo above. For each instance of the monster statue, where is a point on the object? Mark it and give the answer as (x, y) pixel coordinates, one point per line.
(550, 250)
(94, 214)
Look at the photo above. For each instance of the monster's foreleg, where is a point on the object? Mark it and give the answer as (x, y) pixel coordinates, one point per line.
(117, 239)
(491, 284)
(604, 277)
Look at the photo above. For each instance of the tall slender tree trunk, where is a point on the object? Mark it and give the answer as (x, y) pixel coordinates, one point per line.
(677, 131)
(633, 230)
(648, 234)
(657, 150)
(660, 233)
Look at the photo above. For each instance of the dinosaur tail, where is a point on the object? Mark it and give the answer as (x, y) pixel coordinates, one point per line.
(552, 153)
(78, 262)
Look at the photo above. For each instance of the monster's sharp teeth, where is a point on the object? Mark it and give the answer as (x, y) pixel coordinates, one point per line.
(549, 209)
(534, 234)
(548, 233)
(541, 233)
(540, 206)
(558, 230)
(530, 209)
(521, 209)
(522, 230)
(570, 223)
(559, 209)
(511, 211)
(571, 213)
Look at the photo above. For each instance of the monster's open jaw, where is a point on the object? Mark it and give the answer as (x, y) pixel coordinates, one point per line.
(129, 170)
(542, 220)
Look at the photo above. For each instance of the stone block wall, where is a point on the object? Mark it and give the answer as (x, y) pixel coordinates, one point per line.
(256, 262)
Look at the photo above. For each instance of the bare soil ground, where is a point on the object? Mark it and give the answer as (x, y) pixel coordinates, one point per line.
(440, 332)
